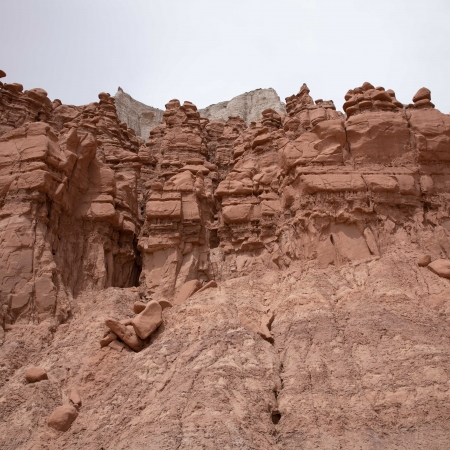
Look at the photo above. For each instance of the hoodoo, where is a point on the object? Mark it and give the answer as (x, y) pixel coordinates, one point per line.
(267, 276)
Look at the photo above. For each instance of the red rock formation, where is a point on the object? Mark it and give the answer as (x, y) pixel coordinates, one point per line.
(324, 235)
(68, 196)
(177, 195)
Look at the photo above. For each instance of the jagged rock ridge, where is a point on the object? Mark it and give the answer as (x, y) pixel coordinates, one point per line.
(142, 118)
(288, 261)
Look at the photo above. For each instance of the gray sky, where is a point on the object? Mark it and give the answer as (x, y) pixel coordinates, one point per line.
(208, 51)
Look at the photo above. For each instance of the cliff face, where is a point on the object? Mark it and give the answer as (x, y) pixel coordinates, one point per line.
(139, 117)
(249, 106)
(225, 285)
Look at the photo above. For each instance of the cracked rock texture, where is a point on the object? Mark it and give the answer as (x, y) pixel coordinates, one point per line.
(319, 329)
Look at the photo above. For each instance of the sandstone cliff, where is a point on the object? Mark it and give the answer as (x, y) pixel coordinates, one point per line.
(249, 106)
(282, 284)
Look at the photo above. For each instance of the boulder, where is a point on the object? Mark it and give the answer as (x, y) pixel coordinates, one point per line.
(186, 291)
(423, 260)
(35, 374)
(148, 320)
(440, 267)
(125, 333)
(62, 417)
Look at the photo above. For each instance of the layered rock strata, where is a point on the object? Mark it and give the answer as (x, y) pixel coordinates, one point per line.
(324, 236)
(248, 106)
(68, 196)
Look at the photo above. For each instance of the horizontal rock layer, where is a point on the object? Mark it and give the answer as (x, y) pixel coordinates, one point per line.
(321, 331)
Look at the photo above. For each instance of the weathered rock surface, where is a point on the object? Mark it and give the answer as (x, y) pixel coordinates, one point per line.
(248, 106)
(209, 284)
(327, 328)
(188, 288)
(138, 116)
(108, 338)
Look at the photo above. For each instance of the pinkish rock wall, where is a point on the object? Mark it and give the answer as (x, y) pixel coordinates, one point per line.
(280, 273)
(69, 211)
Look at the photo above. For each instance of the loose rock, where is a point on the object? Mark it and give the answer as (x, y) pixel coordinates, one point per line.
(263, 331)
(110, 336)
(424, 260)
(148, 320)
(165, 304)
(209, 284)
(75, 397)
(35, 374)
(62, 417)
(125, 333)
(440, 267)
(186, 291)
(138, 307)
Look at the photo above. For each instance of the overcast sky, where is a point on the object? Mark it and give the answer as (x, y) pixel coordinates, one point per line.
(208, 51)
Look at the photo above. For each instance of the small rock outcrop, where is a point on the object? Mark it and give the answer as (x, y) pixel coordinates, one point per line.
(138, 307)
(185, 291)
